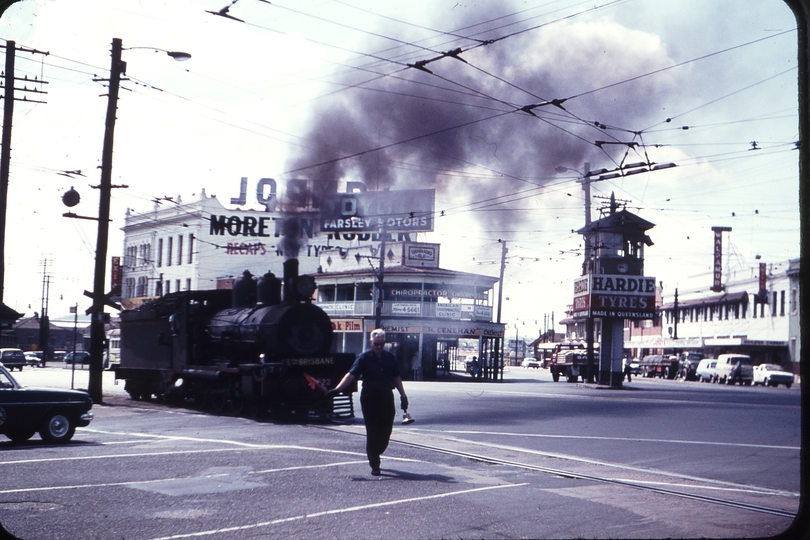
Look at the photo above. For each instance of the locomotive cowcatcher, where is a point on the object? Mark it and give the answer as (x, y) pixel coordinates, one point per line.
(242, 351)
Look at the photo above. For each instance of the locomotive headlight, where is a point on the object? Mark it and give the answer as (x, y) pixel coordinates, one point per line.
(178, 383)
(304, 287)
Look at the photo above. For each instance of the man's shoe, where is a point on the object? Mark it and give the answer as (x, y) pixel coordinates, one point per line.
(376, 472)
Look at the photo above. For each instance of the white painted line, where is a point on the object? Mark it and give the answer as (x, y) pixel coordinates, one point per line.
(620, 439)
(302, 467)
(752, 489)
(596, 462)
(333, 512)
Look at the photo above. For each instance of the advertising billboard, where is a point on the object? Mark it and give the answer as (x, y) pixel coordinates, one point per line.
(372, 211)
(621, 296)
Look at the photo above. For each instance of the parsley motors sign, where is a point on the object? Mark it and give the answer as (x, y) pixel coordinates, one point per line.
(372, 211)
(606, 295)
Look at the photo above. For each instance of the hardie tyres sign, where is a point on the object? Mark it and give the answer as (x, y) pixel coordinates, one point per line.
(607, 295)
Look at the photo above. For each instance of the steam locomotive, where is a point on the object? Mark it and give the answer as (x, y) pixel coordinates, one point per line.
(260, 347)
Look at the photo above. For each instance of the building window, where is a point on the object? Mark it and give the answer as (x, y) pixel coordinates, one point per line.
(158, 288)
(177, 285)
(794, 301)
(169, 253)
(160, 252)
(190, 249)
(782, 303)
(773, 304)
(168, 286)
(188, 284)
(179, 250)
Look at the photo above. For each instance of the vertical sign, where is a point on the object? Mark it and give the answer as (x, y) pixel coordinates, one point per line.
(763, 285)
(717, 286)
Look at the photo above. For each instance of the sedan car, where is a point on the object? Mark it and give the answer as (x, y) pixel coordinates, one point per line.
(32, 360)
(55, 414)
(12, 358)
(79, 357)
(772, 375)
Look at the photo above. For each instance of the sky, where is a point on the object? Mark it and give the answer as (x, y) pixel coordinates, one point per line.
(338, 91)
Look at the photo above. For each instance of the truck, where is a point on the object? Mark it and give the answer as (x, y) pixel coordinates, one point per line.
(569, 359)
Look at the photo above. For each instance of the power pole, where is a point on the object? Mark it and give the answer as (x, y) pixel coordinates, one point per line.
(380, 279)
(5, 154)
(498, 345)
(97, 333)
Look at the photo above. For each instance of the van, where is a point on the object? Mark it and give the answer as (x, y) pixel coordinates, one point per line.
(726, 363)
(706, 370)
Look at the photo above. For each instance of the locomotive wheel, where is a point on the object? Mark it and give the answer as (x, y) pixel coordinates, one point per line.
(218, 402)
(237, 405)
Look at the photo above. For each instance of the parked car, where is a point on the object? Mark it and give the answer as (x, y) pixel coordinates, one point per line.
(83, 357)
(530, 363)
(725, 370)
(706, 370)
(32, 360)
(78, 357)
(772, 375)
(13, 358)
(55, 414)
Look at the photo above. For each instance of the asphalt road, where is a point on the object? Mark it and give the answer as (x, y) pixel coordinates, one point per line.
(526, 458)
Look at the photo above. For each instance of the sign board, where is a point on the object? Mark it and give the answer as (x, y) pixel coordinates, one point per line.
(332, 308)
(621, 296)
(482, 313)
(347, 325)
(421, 255)
(448, 311)
(409, 308)
(372, 211)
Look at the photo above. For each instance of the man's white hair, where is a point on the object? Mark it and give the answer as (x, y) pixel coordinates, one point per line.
(379, 332)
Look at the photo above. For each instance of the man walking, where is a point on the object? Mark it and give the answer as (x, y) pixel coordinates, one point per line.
(380, 375)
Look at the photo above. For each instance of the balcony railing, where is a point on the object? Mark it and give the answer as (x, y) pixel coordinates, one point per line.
(463, 312)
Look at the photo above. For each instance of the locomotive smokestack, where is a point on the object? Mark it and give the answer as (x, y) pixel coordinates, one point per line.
(290, 276)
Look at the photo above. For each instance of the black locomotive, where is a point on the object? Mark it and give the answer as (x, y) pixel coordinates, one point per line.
(261, 346)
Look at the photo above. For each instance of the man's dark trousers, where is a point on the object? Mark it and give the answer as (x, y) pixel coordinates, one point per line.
(378, 415)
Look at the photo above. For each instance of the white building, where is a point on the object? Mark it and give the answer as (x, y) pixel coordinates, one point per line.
(756, 313)
(203, 245)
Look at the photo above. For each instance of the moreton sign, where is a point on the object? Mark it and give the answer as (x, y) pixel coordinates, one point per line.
(607, 295)
(372, 211)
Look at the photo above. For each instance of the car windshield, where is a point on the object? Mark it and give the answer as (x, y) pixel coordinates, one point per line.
(13, 355)
(773, 367)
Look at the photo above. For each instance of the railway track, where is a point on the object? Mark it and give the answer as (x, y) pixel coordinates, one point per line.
(645, 485)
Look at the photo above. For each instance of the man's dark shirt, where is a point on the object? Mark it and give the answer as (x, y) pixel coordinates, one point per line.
(376, 373)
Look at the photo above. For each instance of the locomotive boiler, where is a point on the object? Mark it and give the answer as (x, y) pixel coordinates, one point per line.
(262, 346)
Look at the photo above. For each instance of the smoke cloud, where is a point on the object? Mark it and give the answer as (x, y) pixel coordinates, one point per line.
(401, 129)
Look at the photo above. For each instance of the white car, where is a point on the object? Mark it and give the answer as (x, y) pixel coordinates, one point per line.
(772, 375)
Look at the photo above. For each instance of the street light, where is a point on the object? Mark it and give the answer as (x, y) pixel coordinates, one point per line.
(177, 55)
(100, 299)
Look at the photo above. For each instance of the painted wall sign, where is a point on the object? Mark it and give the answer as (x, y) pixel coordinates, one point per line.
(347, 325)
(405, 210)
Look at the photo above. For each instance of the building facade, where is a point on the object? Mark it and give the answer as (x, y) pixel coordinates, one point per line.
(426, 311)
(757, 313)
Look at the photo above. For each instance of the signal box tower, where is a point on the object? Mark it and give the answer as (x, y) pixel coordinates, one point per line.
(614, 287)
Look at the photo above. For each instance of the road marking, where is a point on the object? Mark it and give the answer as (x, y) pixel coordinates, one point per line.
(337, 464)
(621, 439)
(335, 511)
(756, 490)
(590, 462)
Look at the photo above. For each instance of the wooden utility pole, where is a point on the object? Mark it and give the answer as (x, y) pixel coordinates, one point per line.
(5, 154)
(98, 336)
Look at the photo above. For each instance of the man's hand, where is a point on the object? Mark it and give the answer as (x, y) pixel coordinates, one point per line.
(403, 402)
(332, 393)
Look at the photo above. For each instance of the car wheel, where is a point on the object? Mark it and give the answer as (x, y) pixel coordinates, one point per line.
(787, 385)
(58, 427)
(20, 436)
(766, 382)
